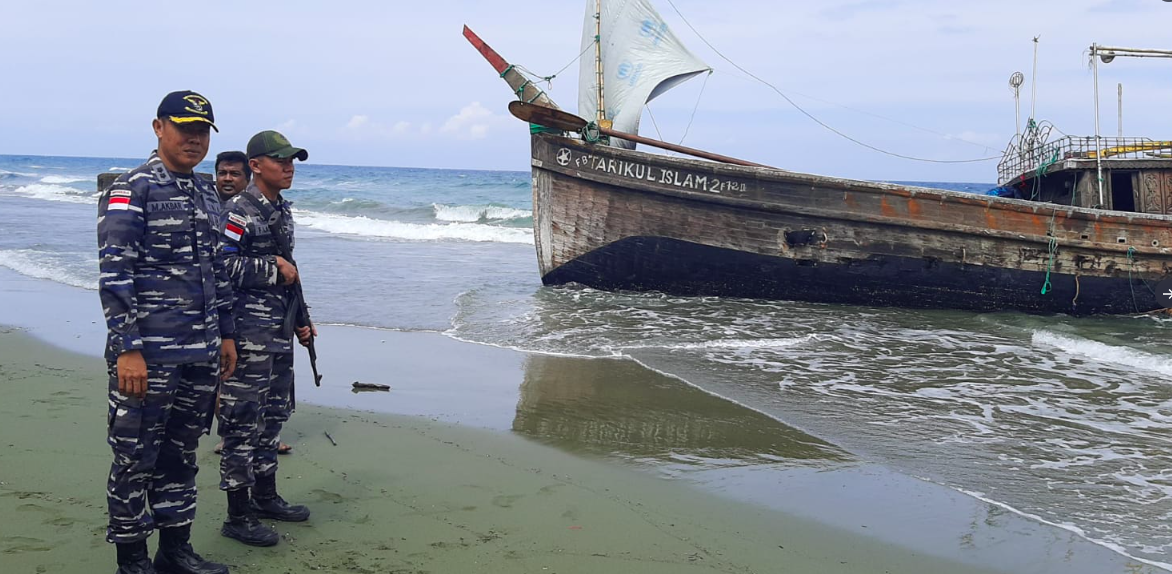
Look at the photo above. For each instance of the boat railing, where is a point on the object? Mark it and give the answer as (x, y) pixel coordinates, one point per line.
(1031, 158)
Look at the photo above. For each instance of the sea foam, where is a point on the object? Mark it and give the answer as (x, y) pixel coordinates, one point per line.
(36, 264)
(1067, 526)
(475, 213)
(367, 227)
(63, 179)
(53, 192)
(1123, 356)
(739, 344)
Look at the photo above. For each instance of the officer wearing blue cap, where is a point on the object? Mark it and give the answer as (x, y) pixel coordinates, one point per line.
(167, 301)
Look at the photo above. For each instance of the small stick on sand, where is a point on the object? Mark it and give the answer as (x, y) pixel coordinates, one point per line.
(370, 387)
(330, 437)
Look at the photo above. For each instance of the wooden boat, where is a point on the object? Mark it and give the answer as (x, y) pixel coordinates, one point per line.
(621, 219)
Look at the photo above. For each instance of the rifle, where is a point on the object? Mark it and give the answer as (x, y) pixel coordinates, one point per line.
(297, 312)
(297, 315)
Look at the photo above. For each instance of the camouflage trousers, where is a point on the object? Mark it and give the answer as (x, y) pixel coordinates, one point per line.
(254, 404)
(152, 479)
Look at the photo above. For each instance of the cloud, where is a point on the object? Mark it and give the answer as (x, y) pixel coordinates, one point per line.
(361, 126)
(357, 122)
(286, 126)
(472, 123)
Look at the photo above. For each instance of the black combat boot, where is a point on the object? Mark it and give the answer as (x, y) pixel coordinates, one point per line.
(266, 503)
(134, 559)
(176, 556)
(242, 523)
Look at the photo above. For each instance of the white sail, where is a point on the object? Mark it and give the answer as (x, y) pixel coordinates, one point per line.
(641, 59)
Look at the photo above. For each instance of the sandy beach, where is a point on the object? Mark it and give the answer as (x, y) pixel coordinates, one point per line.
(397, 494)
(491, 460)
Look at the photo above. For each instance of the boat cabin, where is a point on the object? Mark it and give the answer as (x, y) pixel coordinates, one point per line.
(1136, 173)
(1097, 172)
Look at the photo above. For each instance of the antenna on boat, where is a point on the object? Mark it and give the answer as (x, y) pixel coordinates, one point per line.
(1015, 82)
(1121, 104)
(1034, 82)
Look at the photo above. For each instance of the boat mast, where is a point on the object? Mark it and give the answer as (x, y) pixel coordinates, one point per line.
(598, 59)
(1098, 138)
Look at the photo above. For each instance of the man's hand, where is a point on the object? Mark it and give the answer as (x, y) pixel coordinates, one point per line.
(227, 359)
(286, 270)
(305, 334)
(132, 374)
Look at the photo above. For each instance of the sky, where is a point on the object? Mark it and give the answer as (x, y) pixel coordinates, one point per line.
(389, 83)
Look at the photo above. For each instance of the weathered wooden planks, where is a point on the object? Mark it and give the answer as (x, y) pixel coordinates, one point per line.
(622, 219)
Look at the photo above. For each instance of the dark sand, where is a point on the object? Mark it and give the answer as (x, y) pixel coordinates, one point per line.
(398, 494)
(491, 460)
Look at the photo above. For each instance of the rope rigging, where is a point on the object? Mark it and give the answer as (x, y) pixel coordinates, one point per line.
(811, 116)
(532, 77)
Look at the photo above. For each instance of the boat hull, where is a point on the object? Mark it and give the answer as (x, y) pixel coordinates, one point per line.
(626, 220)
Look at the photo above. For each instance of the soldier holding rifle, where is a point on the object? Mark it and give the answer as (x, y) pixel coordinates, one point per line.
(256, 401)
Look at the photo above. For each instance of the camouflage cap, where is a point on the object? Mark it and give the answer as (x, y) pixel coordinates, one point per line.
(273, 144)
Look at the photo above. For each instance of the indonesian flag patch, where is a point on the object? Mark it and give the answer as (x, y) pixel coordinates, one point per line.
(119, 202)
(234, 227)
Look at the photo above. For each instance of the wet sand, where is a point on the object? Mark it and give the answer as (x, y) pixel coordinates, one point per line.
(398, 494)
(491, 460)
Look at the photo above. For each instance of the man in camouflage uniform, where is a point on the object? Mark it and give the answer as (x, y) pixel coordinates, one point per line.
(257, 400)
(167, 301)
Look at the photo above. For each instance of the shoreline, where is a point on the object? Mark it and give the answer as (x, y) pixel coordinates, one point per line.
(401, 494)
(622, 417)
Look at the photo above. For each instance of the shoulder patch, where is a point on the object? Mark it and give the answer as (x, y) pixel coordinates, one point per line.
(234, 226)
(121, 203)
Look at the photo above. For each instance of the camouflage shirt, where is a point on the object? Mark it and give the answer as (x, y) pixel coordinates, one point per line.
(250, 254)
(164, 289)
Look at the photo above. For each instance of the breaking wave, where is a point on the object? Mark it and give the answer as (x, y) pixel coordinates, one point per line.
(477, 213)
(1103, 352)
(53, 192)
(367, 227)
(64, 179)
(43, 266)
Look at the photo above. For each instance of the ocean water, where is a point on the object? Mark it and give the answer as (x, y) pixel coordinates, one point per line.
(1063, 421)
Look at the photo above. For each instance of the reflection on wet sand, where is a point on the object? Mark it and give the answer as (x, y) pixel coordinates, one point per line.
(619, 408)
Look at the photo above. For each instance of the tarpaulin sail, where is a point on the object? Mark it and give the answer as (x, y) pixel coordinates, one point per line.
(641, 59)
